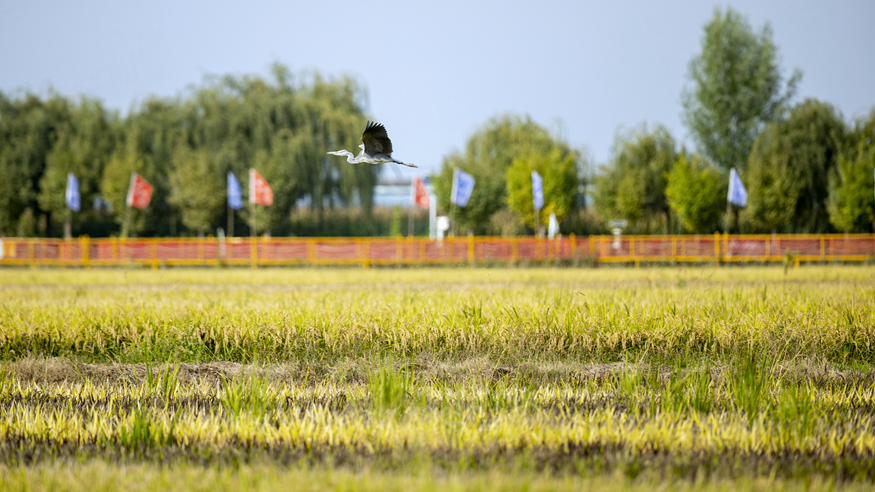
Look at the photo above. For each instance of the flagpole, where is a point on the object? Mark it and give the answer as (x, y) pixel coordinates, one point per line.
(252, 202)
(68, 224)
(537, 232)
(453, 202)
(252, 224)
(126, 224)
(410, 210)
(432, 217)
(230, 221)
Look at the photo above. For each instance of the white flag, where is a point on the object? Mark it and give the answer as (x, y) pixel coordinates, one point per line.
(553, 226)
(737, 193)
(537, 191)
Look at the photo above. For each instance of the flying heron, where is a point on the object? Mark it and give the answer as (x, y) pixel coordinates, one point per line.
(376, 147)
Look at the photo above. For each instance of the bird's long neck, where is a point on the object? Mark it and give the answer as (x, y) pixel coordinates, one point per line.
(348, 154)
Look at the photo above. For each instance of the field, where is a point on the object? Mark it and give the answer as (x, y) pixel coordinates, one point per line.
(699, 378)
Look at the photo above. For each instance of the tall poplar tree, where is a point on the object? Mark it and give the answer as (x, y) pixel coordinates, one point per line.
(736, 88)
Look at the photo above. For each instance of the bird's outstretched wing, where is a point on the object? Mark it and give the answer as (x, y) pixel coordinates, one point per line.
(376, 139)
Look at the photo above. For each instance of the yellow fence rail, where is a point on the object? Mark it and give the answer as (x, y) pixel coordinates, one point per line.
(256, 252)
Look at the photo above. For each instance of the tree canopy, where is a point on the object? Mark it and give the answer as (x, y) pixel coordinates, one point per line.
(789, 169)
(736, 88)
(184, 146)
(696, 193)
(558, 170)
(488, 155)
(632, 184)
(851, 204)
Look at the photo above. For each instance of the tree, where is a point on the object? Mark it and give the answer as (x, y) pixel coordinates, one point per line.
(851, 182)
(82, 147)
(697, 193)
(488, 155)
(632, 185)
(148, 143)
(788, 172)
(851, 188)
(29, 129)
(559, 173)
(197, 188)
(281, 125)
(736, 90)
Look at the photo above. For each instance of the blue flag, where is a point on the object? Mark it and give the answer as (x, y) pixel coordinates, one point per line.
(463, 186)
(71, 197)
(235, 195)
(737, 193)
(537, 191)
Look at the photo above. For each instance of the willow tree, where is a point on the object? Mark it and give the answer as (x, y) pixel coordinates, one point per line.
(82, 146)
(29, 129)
(197, 188)
(737, 88)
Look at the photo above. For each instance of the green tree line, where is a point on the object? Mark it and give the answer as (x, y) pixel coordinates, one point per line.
(806, 169)
(184, 146)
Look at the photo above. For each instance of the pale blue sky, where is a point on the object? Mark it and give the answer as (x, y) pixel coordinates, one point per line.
(435, 71)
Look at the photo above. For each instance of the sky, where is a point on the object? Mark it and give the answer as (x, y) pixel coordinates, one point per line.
(435, 72)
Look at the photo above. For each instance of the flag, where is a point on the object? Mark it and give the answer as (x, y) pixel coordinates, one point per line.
(737, 193)
(235, 195)
(537, 191)
(71, 197)
(139, 192)
(553, 226)
(420, 194)
(463, 186)
(259, 191)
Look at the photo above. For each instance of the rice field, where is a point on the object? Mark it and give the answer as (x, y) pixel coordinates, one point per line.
(698, 378)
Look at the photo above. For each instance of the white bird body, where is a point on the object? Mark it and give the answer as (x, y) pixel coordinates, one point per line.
(376, 147)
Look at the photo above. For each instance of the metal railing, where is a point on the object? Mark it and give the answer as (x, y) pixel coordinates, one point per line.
(256, 252)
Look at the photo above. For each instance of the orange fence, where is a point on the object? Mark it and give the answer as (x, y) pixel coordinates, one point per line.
(416, 251)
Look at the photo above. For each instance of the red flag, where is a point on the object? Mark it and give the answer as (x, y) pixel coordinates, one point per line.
(139, 192)
(259, 190)
(420, 194)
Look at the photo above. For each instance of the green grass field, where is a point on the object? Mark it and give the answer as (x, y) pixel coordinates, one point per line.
(438, 379)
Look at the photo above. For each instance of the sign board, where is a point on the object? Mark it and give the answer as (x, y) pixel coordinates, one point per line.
(618, 223)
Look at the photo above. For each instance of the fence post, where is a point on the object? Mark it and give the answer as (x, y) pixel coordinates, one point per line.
(717, 247)
(422, 251)
(632, 250)
(471, 249)
(592, 249)
(366, 257)
(253, 252)
(85, 245)
(778, 244)
(399, 249)
(573, 239)
(822, 248)
(154, 254)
